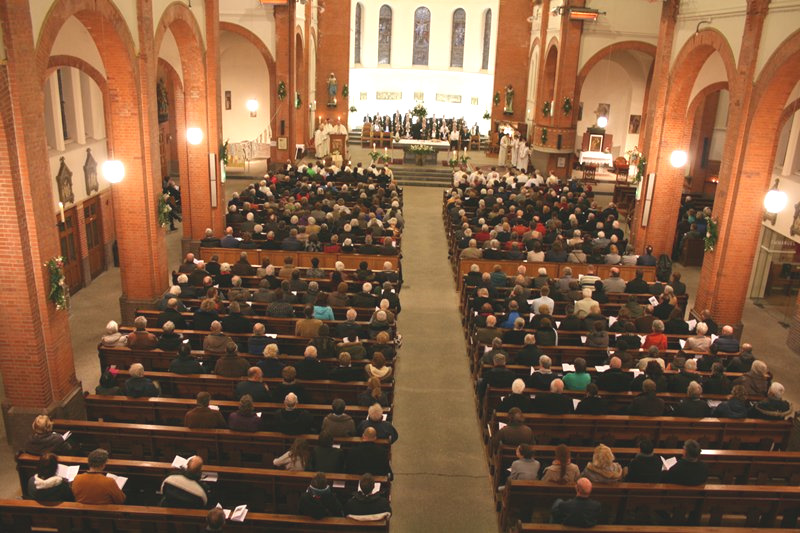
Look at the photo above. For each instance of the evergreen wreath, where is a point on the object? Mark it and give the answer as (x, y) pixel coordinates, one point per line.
(281, 90)
(544, 136)
(712, 234)
(59, 291)
(345, 91)
(567, 106)
(163, 210)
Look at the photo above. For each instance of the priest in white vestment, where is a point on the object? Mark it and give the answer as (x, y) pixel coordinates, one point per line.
(515, 150)
(523, 156)
(321, 141)
(328, 130)
(503, 155)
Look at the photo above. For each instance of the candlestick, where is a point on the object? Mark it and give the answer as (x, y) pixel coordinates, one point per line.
(373, 147)
(61, 209)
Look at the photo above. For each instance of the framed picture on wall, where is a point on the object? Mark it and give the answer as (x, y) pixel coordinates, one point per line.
(227, 100)
(595, 143)
(283, 142)
(562, 162)
(634, 123)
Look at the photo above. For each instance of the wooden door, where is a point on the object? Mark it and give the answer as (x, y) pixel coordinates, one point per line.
(68, 237)
(93, 225)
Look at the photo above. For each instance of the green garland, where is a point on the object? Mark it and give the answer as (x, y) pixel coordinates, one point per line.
(640, 169)
(712, 234)
(496, 98)
(59, 291)
(546, 108)
(297, 100)
(163, 210)
(223, 152)
(281, 90)
(486, 116)
(345, 91)
(353, 109)
(567, 106)
(544, 136)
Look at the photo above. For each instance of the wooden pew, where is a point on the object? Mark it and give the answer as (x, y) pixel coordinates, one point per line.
(528, 527)
(301, 259)
(554, 270)
(665, 431)
(758, 505)
(730, 467)
(262, 490)
(363, 314)
(163, 443)
(23, 516)
(170, 411)
(321, 391)
(123, 357)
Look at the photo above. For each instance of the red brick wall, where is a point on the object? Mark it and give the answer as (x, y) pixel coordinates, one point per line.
(511, 63)
(333, 55)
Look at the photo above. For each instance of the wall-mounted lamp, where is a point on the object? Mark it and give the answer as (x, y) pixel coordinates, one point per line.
(775, 201)
(252, 106)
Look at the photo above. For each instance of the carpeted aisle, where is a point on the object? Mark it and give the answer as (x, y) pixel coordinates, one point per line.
(441, 478)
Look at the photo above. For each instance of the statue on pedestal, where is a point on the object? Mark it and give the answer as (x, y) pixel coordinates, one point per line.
(332, 89)
(509, 107)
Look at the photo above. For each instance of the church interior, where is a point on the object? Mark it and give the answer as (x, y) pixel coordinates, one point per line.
(214, 212)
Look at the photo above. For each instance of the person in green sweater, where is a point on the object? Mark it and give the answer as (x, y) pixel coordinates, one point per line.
(579, 379)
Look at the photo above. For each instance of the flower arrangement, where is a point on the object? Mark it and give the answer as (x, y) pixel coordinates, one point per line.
(566, 107)
(486, 116)
(353, 109)
(59, 292)
(223, 152)
(419, 111)
(712, 234)
(281, 90)
(163, 210)
(421, 149)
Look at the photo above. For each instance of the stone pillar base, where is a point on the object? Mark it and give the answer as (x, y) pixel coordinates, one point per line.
(128, 308)
(18, 420)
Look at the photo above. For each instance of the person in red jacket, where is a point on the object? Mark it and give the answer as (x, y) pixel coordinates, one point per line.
(657, 337)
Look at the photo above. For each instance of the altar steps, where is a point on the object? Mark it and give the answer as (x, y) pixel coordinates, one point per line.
(415, 176)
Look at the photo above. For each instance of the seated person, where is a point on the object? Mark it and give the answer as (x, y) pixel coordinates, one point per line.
(554, 403)
(592, 403)
(689, 470)
(774, 407)
(579, 379)
(169, 341)
(338, 423)
(291, 420)
(580, 511)
(525, 467)
(693, 406)
(518, 398)
(297, 458)
(602, 468)
(43, 439)
(253, 386)
(271, 366)
(647, 403)
(562, 470)
(94, 487)
(185, 363)
(368, 456)
(319, 501)
(45, 485)
(326, 458)
(203, 416)
(108, 384)
(383, 429)
(245, 418)
(183, 489)
(113, 337)
(367, 504)
(374, 394)
(645, 467)
(345, 371)
(138, 386)
(515, 432)
(141, 339)
(231, 365)
(736, 406)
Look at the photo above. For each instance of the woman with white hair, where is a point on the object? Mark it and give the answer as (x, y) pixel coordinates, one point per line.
(113, 337)
(756, 381)
(774, 407)
(517, 398)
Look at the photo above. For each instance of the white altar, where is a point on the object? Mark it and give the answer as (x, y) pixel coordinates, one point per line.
(597, 158)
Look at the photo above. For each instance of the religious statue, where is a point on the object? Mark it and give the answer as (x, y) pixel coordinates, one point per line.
(332, 89)
(509, 107)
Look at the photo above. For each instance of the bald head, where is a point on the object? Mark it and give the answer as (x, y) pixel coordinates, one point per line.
(369, 435)
(557, 386)
(195, 465)
(583, 488)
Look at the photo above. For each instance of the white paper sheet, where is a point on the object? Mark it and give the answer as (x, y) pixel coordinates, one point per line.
(179, 462)
(119, 480)
(666, 464)
(601, 368)
(692, 324)
(682, 342)
(566, 367)
(575, 403)
(239, 514)
(68, 472)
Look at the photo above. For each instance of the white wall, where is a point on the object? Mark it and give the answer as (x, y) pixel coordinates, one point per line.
(720, 127)
(169, 53)
(625, 20)
(783, 19)
(438, 77)
(244, 73)
(712, 71)
(127, 8)
(626, 75)
(257, 18)
(726, 16)
(198, 9)
(74, 40)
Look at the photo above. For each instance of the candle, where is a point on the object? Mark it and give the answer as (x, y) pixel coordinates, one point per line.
(465, 152)
(385, 150)
(373, 147)
(455, 154)
(61, 209)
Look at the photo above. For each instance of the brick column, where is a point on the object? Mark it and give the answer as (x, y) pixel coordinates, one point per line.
(143, 266)
(511, 61)
(285, 69)
(659, 227)
(723, 280)
(559, 124)
(333, 55)
(37, 363)
(214, 110)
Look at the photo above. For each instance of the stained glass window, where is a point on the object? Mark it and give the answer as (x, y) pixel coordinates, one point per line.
(457, 43)
(422, 35)
(357, 36)
(385, 35)
(487, 38)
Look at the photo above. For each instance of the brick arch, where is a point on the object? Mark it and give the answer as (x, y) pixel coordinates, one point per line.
(301, 86)
(196, 189)
(603, 53)
(533, 46)
(253, 39)
(696, 101)
(790, 109)
(690, 60)
(546, 88)
(129, 140)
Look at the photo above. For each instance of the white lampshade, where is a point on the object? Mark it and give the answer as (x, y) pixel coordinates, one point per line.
(775, 201)
(678, 158)
(602, 122)
(113, 170)
(252, 105)
(194, 135)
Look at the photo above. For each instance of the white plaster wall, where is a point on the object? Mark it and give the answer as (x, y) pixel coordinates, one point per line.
(257, 18)
(169, 53)
(783, 19)
(74, 40)
(440, 34)
(712, 71)
(75, 157)
(791, 186)
(408, 81)
(245, 74)
(727, 16)
(626, 20)
(720, 127)
(198, 9)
